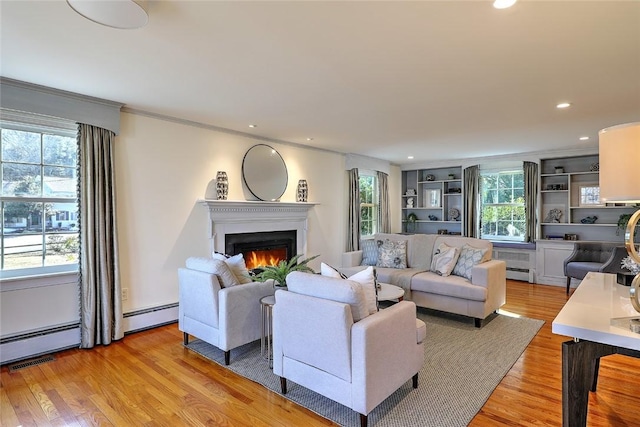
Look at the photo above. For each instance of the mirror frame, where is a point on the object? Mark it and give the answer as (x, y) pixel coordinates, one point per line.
(271, 162)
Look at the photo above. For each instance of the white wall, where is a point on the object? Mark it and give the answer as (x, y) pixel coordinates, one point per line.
(163, 168)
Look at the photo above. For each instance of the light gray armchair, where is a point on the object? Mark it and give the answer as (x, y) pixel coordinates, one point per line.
(224, 317)
(317, 344)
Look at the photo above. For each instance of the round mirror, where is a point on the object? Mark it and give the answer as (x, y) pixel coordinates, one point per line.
(264, 172)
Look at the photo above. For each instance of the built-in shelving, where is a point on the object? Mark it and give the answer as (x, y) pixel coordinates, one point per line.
(434, 197)
(574, 192)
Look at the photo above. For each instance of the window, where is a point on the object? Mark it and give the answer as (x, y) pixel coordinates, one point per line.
(39, 202)
(368, 205)
(502, 212)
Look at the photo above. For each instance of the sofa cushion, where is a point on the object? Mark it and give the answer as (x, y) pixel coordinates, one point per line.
(453, 286)
(419, 247)
(392, 253)
(237, 265)
(444, 259)
(369, 252)
(459, 242)
(469, 256)
(365, 278)
(339, 290)
(214, 266)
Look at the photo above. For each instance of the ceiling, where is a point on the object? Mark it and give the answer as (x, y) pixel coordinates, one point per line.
(436, 80)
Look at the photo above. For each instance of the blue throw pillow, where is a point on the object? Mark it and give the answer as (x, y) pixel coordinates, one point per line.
(369, 252)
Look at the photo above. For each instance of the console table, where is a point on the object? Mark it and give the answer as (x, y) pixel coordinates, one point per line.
(597, 317)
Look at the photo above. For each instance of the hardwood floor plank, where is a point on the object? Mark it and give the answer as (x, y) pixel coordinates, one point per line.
(150, 379)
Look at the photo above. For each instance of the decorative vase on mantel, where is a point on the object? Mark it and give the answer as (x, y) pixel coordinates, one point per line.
(222, 185)
(303, 191)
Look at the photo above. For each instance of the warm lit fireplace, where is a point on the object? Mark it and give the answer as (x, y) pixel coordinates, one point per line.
(261, 249)
(264, 257)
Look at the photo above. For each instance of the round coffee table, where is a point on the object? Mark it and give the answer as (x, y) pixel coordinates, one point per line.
(389, 292)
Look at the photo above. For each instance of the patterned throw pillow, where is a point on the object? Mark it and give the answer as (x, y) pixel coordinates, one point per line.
(392, 254)
(369, 252)
(444, 259)
(469, 256)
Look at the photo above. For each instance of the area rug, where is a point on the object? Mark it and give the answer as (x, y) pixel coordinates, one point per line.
(462, 367)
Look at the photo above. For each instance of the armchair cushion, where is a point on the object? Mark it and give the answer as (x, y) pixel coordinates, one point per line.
(339, 290)
(213, 266)
(237, 265)
(366, 279)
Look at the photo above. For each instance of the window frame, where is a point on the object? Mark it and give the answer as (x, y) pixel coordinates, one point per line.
(498, 172)
(44, 125)
(373, 205)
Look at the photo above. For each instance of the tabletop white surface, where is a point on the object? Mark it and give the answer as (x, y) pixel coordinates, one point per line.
(599, 310)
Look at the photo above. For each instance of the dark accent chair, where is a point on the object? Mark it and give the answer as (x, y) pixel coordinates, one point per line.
(586, 257)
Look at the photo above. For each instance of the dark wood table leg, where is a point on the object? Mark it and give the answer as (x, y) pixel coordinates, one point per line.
(580, 363)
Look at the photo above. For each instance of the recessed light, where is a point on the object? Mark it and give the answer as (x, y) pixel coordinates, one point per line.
(410, 157)
(253, 126)
(584, 138)
(563, 105)
(503, 4)
(309, 139)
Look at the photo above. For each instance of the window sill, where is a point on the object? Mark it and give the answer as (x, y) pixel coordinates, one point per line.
(38, 281)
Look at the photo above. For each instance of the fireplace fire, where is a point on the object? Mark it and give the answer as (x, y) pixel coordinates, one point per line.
(262, 249)
(264, 257)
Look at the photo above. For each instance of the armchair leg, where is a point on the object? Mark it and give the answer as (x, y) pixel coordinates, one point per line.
(477, 322)
(227, 356)
(185, 338)
(568, 284)
(415, 381)
(283, 385)
(363, 420)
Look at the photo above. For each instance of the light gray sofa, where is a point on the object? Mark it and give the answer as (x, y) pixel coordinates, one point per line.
(477, 298)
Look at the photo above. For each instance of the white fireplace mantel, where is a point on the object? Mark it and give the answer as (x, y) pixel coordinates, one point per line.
(228, 216)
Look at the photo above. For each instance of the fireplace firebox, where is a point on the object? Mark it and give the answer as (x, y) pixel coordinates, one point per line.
(261, 249)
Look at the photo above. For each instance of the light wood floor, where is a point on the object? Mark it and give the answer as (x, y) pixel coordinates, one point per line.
(150, 379)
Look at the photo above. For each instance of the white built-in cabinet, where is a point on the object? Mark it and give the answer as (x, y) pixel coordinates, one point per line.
(434, 197)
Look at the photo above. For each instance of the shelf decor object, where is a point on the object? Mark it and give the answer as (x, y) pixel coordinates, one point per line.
(222, 185)
(303, 191)
(619, 150)
(432, 198)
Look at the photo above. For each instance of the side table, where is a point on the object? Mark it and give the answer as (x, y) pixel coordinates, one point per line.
(266, 308)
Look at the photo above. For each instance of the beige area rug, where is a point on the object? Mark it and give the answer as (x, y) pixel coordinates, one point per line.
(462, 367)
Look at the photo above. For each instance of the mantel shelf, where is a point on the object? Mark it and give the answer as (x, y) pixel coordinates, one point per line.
(253, 205)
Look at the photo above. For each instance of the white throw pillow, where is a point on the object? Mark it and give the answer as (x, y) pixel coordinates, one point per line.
(237, 265)
(214, 266)
(444, 259)
(327, 270)
(469, 257)
(365, 278)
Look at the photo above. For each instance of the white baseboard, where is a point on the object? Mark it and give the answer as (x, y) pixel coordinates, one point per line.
(34, 344)
(150, 318)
